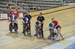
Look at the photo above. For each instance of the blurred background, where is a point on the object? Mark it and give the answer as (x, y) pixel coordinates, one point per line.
(33, 5)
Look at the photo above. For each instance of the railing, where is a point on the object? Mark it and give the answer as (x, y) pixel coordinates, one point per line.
(39, 4)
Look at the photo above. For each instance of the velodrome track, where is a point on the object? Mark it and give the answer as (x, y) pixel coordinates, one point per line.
(65, 17)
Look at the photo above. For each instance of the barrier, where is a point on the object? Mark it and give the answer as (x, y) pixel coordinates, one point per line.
(49, 11)
(3, 16)
(33, 14)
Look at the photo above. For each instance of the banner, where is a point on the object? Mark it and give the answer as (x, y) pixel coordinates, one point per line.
(3, 16)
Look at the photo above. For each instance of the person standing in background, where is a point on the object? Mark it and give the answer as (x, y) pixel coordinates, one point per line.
(16, 12)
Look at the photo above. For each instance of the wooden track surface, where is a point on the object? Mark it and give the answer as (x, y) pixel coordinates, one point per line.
(12, 41)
